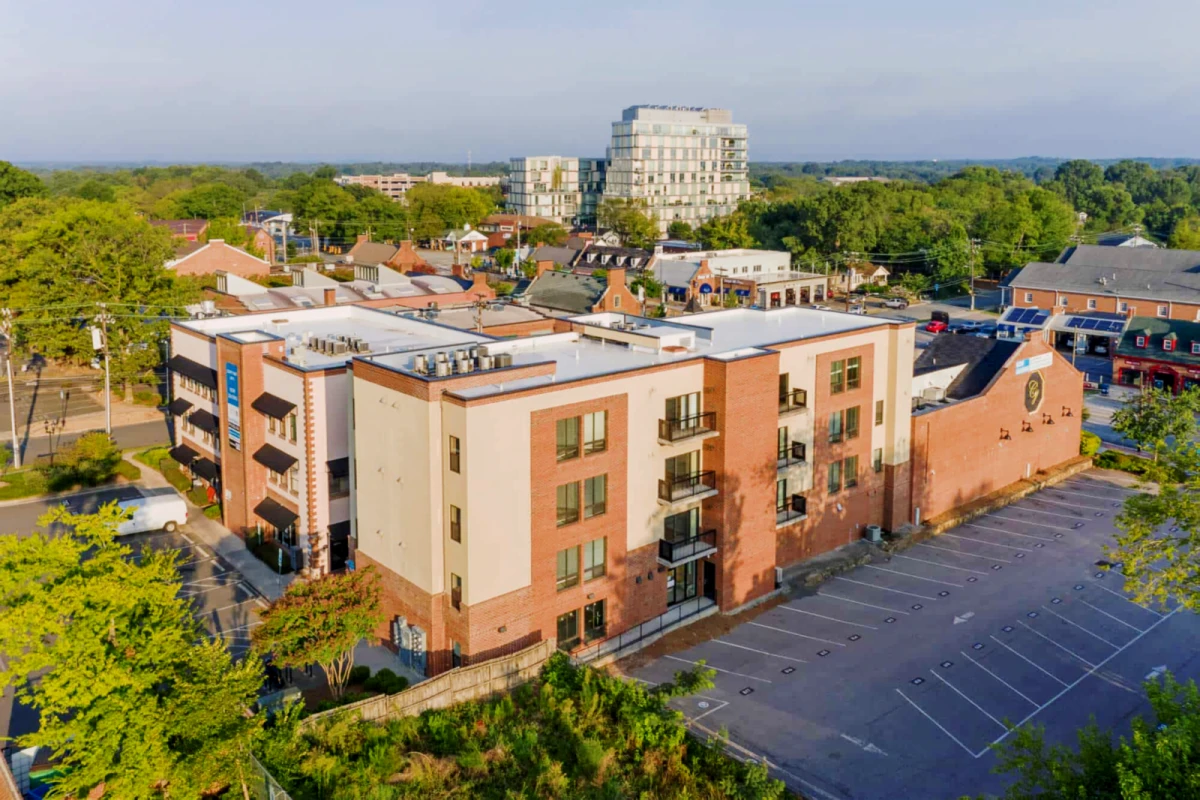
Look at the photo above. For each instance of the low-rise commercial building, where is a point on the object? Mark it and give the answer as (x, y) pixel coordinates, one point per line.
(738, 262)
(1163, 353)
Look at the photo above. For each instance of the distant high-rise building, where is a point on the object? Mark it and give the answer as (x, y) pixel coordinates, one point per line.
(682, 163)
(545, 186)
(591, 187)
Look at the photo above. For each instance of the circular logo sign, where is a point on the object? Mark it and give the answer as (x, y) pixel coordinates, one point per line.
(1035, 389)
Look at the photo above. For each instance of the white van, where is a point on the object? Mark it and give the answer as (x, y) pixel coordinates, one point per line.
(163, 512)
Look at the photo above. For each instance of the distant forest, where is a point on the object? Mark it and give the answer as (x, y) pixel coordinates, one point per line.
(1038, 168)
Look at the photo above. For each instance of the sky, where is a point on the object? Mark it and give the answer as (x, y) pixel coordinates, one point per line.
(370, 80)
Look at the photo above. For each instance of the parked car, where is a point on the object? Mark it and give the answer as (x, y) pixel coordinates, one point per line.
(936, 326)
(895, 302)
(1100, 349)
(858, 309)
(163, 512)
(985, 331)
(822, 308)
(966, 326)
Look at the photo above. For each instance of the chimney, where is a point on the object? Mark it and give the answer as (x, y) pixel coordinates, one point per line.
(362, 237)
(704, 263)
(458, 270)
(479, 284)
(616, 276)
(543, 267)
(331, 295)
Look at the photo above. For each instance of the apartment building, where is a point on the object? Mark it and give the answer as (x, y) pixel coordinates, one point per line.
(683, 163)
(261, 405)
(398, 183)
(592, 177)
(545, 186)
(620, 471)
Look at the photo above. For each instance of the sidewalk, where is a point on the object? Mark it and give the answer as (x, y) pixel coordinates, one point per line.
(225, 542)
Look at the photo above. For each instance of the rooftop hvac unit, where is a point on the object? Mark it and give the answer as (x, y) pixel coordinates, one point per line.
(362, 346)
(442, 369)
(339, 348)
(419, 364)
(874, 534)
(485, 362)
(484, 350)
(440, 357)
(933, 394)
(473, 352)
(465, 365)
(504, 360)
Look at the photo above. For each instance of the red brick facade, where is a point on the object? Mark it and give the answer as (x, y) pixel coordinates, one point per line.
(219, 256)
(1077, 302)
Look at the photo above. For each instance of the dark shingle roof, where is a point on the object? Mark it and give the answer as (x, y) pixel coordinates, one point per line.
(372, 254)
(1155, 259)
(1155, 330)
(1133, 272)
(565, 291)
(563, 256)
(984, 359)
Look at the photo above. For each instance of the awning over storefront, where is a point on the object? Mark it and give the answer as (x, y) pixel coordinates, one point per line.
(339, 467)
(183, 454)
(206, 469)
(178, 407)
(194, 370)
(274, 459)
(273, 406)
(204, 420)
(277, 514)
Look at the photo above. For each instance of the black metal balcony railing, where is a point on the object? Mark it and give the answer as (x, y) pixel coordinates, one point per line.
(674, 430)
(794, 507)
(793, 453)
(684, 486)
(795, 400)
(680, 549)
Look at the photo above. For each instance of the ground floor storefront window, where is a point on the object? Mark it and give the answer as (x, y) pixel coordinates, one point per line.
(681, 583)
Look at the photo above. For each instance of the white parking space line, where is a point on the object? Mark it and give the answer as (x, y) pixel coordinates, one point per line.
(1050, 513)
(925, 714)
(1110, 616)
(940, 564)
(1085, 630)
(1066, 650)
(993, 559)
(831, 619)
(760, 652)
(1015, 690)
(1010, 533)
(1077, 681)
(797, 635)
(235, 605)
(1100, 486)
(718, 669)
(1061, 503)
(1125, 598)
(884, 588)
(698, 717)
(1078, 493)
(969, 700)
(914, 577)
(1050, 675)
(993, 544)
(188, 539)
(860, 603)
(198, 592)
(1038, 524)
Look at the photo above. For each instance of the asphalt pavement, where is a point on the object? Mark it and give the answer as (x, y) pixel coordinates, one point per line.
(128, 437)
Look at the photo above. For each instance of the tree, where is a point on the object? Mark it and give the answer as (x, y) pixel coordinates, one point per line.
(104, 648)
(1186, 234)
(627, 218)
(552, 234)
(680, 230)
(504, 258)
(1153, 418)
(320, 622)
(445, 207)
(723, 233)
(648, 284)
(1160, 759)
(229, 230)
(16, 183)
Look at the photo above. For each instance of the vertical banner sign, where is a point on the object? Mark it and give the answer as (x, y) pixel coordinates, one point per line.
(233, 412)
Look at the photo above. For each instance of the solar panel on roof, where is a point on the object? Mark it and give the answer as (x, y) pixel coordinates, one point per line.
(1090, 324)
(1075, 322)
(1040, 319)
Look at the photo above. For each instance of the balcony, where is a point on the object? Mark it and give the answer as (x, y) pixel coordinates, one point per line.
(793, 510)
(793, 401)
(792, 454)
(696, 486)
(698, 545)
(676, 430)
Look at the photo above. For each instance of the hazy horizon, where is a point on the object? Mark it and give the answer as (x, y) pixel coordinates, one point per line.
(815, 80)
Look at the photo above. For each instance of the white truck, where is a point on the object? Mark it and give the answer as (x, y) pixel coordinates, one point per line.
(163, 512)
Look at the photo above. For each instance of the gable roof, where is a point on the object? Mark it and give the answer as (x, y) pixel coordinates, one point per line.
(675, 273)
(563, 256)
(984, 358)
(1136, 272)
(235, 252)
(372, 254)
(1155, 259)
(457, 235)
(565, 291)
(1155, 330)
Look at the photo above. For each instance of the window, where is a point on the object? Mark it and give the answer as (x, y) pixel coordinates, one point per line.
(835, 426)
(1063, 301)
(835, 476)
(1122, 306)
(289, 482)
(567, 434)
(1168, 345)
(782, 442)
(682, 526)
(568, 630)
(852, 422)
(568, 503)
(878, 412)
(455, 523)
(1162, 311)
(595, 496)
(339, 485)
(1140, 341)
(594, 558)
(1029, 297)
(1091, 304)
(455, 591)
(616, 301)
(595, 432)
(837, 377)
(567, 569)
(455, 654)
(291, 420)
(455, 454)
(781, 495)
(1195, 348)
(681, 583)
(850, 471)
(593, 621)
(854, 373)
(877, 459)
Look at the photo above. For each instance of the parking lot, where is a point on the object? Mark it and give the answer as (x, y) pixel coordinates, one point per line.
(894, 679)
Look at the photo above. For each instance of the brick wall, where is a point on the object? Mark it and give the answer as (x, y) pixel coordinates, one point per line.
(218, 255)
(1078, 303)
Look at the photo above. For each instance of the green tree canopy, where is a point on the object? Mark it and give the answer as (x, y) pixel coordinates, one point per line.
(723, 233)
(680, 230)
(16, 183)
(450, 206)
(1186, 233)
(550, 234)
(629, 220)
(1155, 418)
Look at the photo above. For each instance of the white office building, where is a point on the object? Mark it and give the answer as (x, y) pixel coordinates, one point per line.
(683, 163)
(545, 186)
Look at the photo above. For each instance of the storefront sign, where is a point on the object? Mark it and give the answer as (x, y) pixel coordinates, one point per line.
(1035, 390)
(233, 411)
(1034, 362)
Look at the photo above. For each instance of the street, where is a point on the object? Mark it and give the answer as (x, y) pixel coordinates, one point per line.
(127, 437)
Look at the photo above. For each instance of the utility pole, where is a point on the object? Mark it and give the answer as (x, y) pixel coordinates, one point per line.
(974, 242)
(103, 319)
(6, 327)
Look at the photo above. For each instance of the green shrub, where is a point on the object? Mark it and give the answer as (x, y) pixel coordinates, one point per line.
(268, 553)
(503, 289)
(91, 460)
(213, 512)
(359, 674)
(1089, 443)
(152, 457)
(128, 471)
(385, 682)
(174, 475)
(198, 495)
(145, 397)
(1136, 465)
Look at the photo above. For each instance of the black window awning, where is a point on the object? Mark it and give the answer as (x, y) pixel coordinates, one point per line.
(339, 467)
(339, 531)
(206, 469)
(274, 459)
(178, 407)
(194, 370)
(273, 406)
(204, 420)
(183, 454)
(277, 514)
